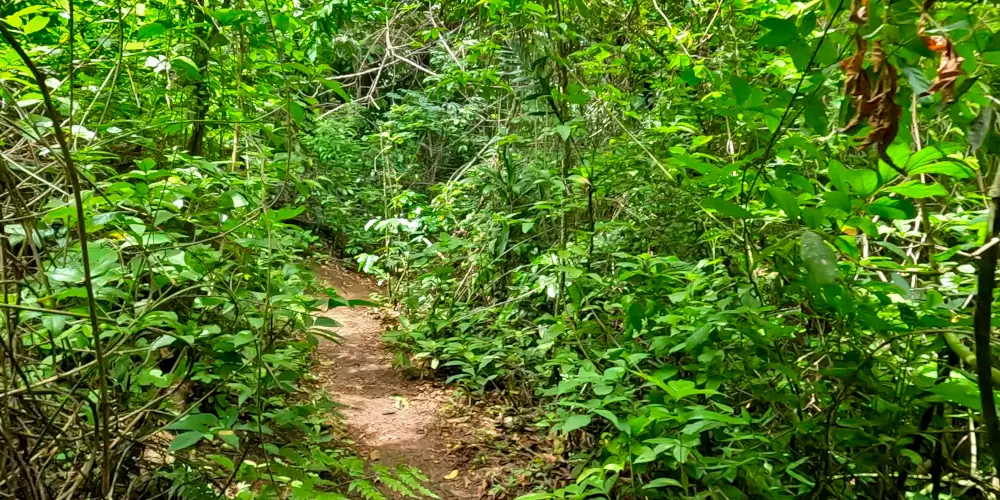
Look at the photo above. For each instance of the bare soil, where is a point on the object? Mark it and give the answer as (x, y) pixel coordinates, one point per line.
(393, 420)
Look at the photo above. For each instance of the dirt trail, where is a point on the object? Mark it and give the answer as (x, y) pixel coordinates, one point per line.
(394, 420)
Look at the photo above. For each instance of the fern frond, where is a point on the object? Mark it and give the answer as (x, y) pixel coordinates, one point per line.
(412, 481)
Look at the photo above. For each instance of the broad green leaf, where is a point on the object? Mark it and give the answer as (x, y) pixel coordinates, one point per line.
(727, 208)
(286, 213)
(699, 336)
(959, 391)
(819, 259)
(981, 127)
(229, 437)
(916, 189)
(67, 274)
(185, 64)
(928, 155)
(563, 131)
(786, 201)
(838, 175)
(575, 94)
(838, 200)
(680, 389)
(152, 30)
(185, 440)
(863, 181)
(892, 208)
(647, 455)
(781, 31)
(741, 89)
(337, 88)
(224, 461)
(201, 422)
(949, 168)
(35, 24)
(916, 78)
(575, 422)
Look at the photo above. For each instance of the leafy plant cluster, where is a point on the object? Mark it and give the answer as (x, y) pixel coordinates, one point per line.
(669, 248)
(157, 294)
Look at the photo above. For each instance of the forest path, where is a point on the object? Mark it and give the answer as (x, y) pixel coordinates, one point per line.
(393, 420)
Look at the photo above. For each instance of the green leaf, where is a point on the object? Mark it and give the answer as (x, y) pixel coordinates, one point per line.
(66, 274)
(838, 175)
(782, 31)
(563, 131)
(662, 482)
(575, 422)
(813, 217)
(916, 78)
(229, 437)
(152, 30)
(959, 391)
(862, 181)
(917, 189)
(819, 259)
(326, 322)
(980, 127)
(698, 337)
(575, 94)
(892, 208)
(727, 208)
(36, 24)
(337, 88)
(948, 168)
(680, 389)
(286, 213)
(200, 422)
(185, 440)
(786, 201)
(224, 461)
(741, 89)
(185, 64)
(914, 457)
(838, 200)
(648, 455)
(614, 420)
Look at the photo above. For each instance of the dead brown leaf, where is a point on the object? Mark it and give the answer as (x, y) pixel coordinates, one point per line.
(884, 119)
(949, 69)
(857, 86)
(950, 66)
(859, 13)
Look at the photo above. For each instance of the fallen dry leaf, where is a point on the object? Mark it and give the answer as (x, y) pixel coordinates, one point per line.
(451, 476)
(374, 455)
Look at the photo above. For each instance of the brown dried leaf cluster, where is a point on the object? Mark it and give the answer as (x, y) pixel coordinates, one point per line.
(857, 85)
(875, 103)
(884, 118)
(950, 66)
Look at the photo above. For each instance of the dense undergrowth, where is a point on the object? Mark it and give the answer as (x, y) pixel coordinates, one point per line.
(720, 249)
(649, 232)
(158, 299)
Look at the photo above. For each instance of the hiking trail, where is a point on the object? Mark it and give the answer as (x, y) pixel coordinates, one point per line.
(393, 420)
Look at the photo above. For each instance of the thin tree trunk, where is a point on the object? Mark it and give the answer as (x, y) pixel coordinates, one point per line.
(204, 31)
(982, 322)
